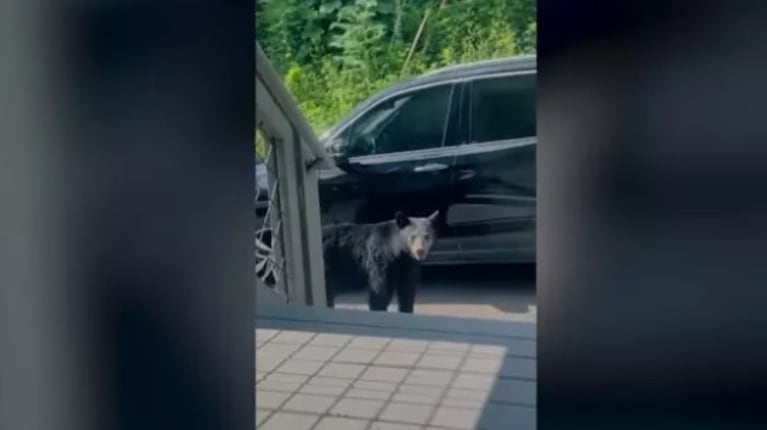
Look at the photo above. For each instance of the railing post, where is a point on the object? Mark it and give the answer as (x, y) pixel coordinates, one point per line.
(289, 155)
(313, 236)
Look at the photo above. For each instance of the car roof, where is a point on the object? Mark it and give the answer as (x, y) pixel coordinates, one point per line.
(445, 74)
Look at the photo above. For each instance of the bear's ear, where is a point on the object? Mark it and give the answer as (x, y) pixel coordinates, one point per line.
(401, 219)
(433, 217)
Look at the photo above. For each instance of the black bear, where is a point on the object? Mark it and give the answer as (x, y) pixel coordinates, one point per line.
(384, 256)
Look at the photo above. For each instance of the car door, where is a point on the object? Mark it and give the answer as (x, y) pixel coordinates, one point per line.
(494, 172)
(395, 157)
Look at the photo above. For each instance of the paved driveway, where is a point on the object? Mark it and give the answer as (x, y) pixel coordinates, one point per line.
(495, 292)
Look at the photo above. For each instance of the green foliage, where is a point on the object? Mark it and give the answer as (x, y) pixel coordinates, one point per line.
(334, 54)
(260, 145)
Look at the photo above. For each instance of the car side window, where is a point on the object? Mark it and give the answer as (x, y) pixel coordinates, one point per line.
(503, 108)
(415, 120)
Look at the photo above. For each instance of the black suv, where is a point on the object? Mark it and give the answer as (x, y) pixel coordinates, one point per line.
(460, 139)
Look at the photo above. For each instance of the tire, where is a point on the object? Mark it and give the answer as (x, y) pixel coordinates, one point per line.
(265, 270)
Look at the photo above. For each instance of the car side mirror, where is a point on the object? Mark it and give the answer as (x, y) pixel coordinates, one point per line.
(338, 152)
(343, 163)
(342, 160)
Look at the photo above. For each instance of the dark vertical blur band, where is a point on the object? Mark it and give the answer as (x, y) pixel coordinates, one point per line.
(651, 239)
(127, 192)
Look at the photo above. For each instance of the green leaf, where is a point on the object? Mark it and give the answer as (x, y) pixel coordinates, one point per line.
(387, 7)
(330, 7)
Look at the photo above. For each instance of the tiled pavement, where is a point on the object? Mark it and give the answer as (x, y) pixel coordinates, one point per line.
(333, 374)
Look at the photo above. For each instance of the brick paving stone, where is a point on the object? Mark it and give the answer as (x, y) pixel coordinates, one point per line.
(456, 418)
(421, 390)
(376, 385)
(325, 390)
(408, 345)
(264, 334)
(440, 378)
(287, 420)
(380, 425)
(270, 399)
(482, 365)
(474, 381)
(397, 358)
(462, 403)
(440, 361)
(356, 355)
(367, 394)
(464, 394)
(489, 349)
(330, 339)
(384, 374)
(311, 352)
(268, 363)
(282, 382)
(334, 423)
(357, 408)
(277, 349)
(262, 414)
(408, 413)
(415, 398)
(369, 342)
(341, 370)
(330, 381)
(309, 403)
(301, 367)
(291, 336)
(449, 346)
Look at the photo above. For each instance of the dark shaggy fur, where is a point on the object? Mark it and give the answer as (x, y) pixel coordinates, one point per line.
(376, 256)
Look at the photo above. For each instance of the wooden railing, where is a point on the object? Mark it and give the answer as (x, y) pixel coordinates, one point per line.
(288, 238)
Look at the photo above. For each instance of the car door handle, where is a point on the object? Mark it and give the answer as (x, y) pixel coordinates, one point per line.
(431, 167)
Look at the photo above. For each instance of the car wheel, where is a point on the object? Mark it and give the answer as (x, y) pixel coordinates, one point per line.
(266, 267)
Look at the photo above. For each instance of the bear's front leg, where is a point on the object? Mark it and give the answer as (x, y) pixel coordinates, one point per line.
(379, 301)
(379, 296)
(406, 289)
(330, 295)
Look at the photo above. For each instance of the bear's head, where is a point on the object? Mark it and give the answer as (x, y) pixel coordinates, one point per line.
(417, 234)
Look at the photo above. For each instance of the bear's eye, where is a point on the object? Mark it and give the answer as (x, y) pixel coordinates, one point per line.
(427, 237)
(412, 238)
